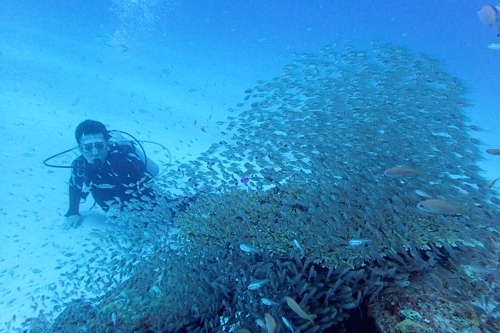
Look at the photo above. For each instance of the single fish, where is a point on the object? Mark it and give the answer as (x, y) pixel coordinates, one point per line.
(488, 14)
(298, 246)
(113, 319)
(254, 285)
(494, 46)
(288, 324)
(400, 172)
(402, 283)
(244, 180)
(104, 186)
(268, 302)
(490, 184)
(493, 151)
(260, 323)
(270, 323)
(298, 310)
(478, 269)
(156, 290)
(437, 206)
(359, 241)
(248, 248)
(422, 194)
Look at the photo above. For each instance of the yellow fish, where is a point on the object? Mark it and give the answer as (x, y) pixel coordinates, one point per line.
(270, 323)
(437, 206)
(298, 310)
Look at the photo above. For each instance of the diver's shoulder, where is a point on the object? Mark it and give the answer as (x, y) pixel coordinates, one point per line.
(79, 160)
(123, 153)
(118, 149)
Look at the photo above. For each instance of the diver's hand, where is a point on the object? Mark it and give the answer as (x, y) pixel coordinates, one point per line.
(71, 221)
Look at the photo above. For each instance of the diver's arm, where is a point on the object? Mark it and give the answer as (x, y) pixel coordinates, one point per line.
(75, 189)
(73, 215)
(75, 194)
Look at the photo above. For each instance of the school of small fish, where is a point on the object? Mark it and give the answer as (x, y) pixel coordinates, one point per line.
(351, 172)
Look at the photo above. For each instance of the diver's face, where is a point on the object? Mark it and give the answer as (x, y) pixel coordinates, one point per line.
(94, 147)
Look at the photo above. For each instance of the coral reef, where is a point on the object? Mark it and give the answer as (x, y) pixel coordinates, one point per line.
(295, 206)
(437, 301)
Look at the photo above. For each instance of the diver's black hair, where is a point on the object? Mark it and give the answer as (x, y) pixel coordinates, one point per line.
(91, 127)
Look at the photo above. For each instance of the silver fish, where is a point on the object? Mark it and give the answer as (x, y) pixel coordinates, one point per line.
(254, 285)
(359, 241)
(494, 46)
(400, 172)
(298, 246)
(268, 302)
(288, 324)
(104, 186)
(402, 283)
(248, 248)
(422, 194)
(113, 318)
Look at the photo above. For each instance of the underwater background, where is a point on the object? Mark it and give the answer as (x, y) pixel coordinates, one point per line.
(284, 115)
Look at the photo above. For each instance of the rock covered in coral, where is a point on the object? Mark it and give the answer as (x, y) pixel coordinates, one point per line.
(438, 301)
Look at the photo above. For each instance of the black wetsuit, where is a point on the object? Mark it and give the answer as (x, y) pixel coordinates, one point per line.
(116, 181)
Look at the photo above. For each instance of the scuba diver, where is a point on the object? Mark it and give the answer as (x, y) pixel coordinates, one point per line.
(117, 172)
(111, 168)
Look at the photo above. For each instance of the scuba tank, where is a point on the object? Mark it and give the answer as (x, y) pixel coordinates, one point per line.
(118, 140)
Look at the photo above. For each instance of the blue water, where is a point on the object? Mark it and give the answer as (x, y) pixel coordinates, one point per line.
(224, 46)
(154, 67)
